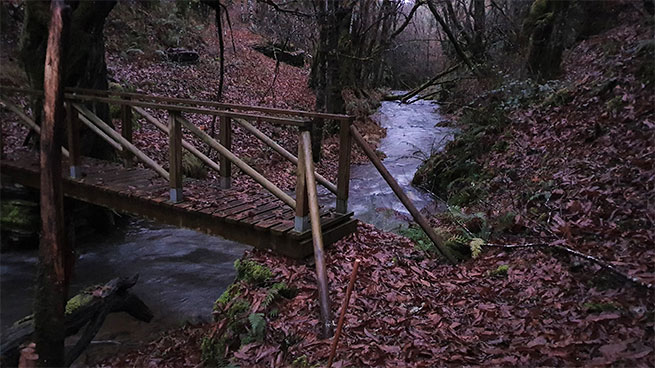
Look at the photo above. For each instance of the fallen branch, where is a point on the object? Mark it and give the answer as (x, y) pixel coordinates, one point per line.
(87, 310)
(404, 98)
(344, 306)
(586, 257)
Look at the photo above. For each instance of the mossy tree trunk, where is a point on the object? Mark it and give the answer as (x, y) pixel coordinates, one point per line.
(331, 70)
(545, 26)
(85, 66)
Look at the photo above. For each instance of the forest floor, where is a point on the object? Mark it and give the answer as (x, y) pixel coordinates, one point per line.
(571, 165)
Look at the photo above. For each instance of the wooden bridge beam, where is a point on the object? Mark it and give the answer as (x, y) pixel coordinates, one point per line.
(175, 156)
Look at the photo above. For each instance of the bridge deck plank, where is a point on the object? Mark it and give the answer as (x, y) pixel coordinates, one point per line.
(255, 218)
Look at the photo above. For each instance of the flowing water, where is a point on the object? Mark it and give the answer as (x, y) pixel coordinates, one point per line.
(412, 135)
(182, 271)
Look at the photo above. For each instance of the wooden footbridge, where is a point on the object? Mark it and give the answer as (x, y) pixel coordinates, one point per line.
(269, 218)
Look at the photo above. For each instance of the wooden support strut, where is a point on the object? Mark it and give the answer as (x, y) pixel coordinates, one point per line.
(175, 156)
(301, 220)
(283, 152)
(126, 132)
(420, 220)
(27, 121)
(91, 117)
(225, 136)
(99, 132)
(317, 236)
(259, 178)
(188, 146)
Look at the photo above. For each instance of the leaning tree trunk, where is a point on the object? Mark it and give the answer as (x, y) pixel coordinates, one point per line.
(53, 272)
(85, 67)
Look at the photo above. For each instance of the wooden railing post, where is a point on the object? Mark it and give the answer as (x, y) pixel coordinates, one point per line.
(317, 234)
(317, 138)
(2, 143)
(126, 132)
(175, 156)
(73, 130)
(225, 138)
(301, 222)
(343, 177)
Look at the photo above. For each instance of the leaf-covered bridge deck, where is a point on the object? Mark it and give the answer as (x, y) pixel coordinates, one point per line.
(255, 218)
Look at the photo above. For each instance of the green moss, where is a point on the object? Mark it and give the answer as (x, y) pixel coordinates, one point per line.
(303, 362)
(600, 307)
(240, 306)
(193, 167)
(252, 272)
(560, 98)
(455, 173)
(615, 104)
(78, 301)
(213, 350)
(501, 271)
(19, 214)
(230, 293)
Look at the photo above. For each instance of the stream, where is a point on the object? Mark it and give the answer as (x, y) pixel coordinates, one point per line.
(182, 272)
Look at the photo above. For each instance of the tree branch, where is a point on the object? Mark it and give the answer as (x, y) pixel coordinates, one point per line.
(586, 257)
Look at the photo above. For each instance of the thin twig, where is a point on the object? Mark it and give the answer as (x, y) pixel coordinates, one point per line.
(586, 257)
(344, 306)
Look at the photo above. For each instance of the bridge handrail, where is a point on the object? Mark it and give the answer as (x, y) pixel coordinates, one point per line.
(343, 176)
(189, 101)
(188, 109)
(131, 96)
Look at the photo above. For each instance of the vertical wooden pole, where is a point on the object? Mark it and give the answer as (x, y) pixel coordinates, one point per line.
(317, 138)
(225, 138)
(175, 157)
(52, 275)
(301, 222)
(73, 130)
(317, 236)
(2, 144)
(343, 177)
(126, 132)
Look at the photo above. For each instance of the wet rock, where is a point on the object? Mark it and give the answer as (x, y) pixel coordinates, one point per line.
(182, 55)
(134, 54)
(285, 53)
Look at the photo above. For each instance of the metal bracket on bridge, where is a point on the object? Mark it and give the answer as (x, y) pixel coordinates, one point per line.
(176, 195)
(301, 224)
(75, 172)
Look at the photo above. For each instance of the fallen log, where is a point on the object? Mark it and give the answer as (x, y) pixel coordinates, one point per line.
(87, 310)
(404, 98)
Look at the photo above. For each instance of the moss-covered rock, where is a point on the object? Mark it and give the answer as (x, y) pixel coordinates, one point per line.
(455, 174)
